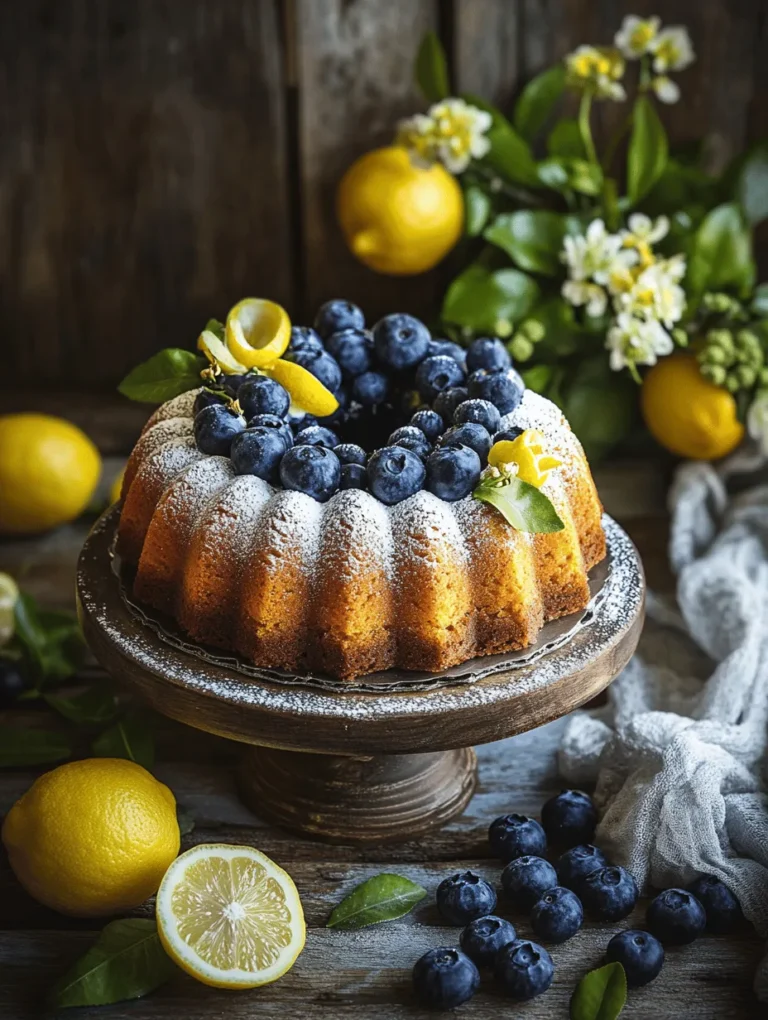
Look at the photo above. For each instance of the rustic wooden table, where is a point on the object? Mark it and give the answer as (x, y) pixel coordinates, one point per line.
(363, 975)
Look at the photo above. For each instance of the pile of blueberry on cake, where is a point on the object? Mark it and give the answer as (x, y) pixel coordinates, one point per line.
(447, 403)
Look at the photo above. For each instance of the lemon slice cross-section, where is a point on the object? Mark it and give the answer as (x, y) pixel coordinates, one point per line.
(229, 916)
(257, 332)
(9, 594)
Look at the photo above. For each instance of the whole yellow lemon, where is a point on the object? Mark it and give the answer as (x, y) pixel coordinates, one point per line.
(49, 470)
(397, 218)
(93, 837)
(687, 413)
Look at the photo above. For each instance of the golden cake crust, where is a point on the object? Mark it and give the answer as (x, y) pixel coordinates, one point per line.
(351, 586)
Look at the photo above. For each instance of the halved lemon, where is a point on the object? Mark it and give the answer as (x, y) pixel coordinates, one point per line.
(257, 332)
(308, 395)
(527, 451)
(9, 594)
(216, 352)
(229, 916)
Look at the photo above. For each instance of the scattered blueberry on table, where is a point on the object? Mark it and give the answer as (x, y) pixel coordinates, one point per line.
(557, 915)
(609, 893)
(484, 937)
(526, 879)
(640, 954)
(720, 905)
(514, 835)
(578, 862)
(444, 978)
(569, 818)
(524, 969)
(676, 917)
(464, 897)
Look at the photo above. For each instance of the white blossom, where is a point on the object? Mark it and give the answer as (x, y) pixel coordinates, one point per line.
(593, 254)
(591, 295)
(667, 91)
(635, 36)
(634, 341)
(596, 69)
(452, 132)
(757, 421)
(672, 49)
(643, 228)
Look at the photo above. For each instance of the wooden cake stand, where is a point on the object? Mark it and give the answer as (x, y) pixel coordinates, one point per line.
(358, 767)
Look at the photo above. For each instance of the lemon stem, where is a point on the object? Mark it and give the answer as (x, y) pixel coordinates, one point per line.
(585, 108)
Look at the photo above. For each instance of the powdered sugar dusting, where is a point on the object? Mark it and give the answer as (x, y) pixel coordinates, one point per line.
(177, 407)
(289, 530)
(159, 469)
(356, 524)
(426, 527)
(536, 412)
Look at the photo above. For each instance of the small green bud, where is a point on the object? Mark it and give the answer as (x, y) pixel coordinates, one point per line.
(715, 373)
(717, 302)
(680, 336)
(748, 340)
(762, 377)
(720, 338)
(713, 356)
(520, 347)
(503, 328)
(746, 374)
(533, 329)
(732, 383)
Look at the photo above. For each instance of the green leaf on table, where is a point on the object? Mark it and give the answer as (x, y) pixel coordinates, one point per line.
(648, 149)
(126, 962)
(381, 898)
(565, 140)
(165, 375)
(522, 505)
(537, 101)
(431, 69)
(480, 298)
(564, 174)
(477, 209)
(130, 737)
(721, 252)
(533, 238)
(51, 640)
(93, 707)
(24, 747)
(751, 185)
(510, 155)
(601, 994)
(186, 820)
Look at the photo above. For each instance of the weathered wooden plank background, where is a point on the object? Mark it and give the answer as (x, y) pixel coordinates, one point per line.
(161, 158)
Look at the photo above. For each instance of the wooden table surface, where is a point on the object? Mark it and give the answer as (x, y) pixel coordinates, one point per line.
(363, 975)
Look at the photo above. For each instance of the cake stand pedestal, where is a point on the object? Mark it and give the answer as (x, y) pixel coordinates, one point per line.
(361, 768)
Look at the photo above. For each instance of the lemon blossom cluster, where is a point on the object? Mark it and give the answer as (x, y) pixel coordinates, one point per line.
(597, 70)
(451, 132)
(667, 49)
(643, 290)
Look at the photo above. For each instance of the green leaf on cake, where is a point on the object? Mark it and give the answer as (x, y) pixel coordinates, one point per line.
(601, 994)
(521, 504)
(431, 69)
(165, 375)
(126, 962)
(381, 898)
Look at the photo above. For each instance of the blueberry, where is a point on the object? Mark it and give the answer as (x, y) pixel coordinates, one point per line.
(352, 348)
(503, 389)
(444, 978)
(453, 472)
(336, 315)
(526, 879)
(471, 435)
(370, 388)
(317, 435)
(206, 397)
(430, 423)
(578, 862)
(465, 896)
(322, 366)
(411, 438)
(449, 348)
(512, 836)
(447, 401)
(569, 818)
(720, 905)
(640, 954)
(437, 374)
(557, 915)
(258, 451)
(394, 474)
(215, 428)
(488, 353)
(509, 434)
(353, 476)
(301, 421)
(263, 395)
(12, 683)
(480, 412)
(524, 969)
(608, 894)
(304, 338)
(350, 453)
(314, 470)
(401, 341)
(676, 917)
(271, 421)
(483, 938)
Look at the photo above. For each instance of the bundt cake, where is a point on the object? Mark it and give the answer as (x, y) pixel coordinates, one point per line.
(394, 564)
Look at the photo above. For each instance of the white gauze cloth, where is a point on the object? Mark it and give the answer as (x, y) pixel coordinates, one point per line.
(678, 755)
